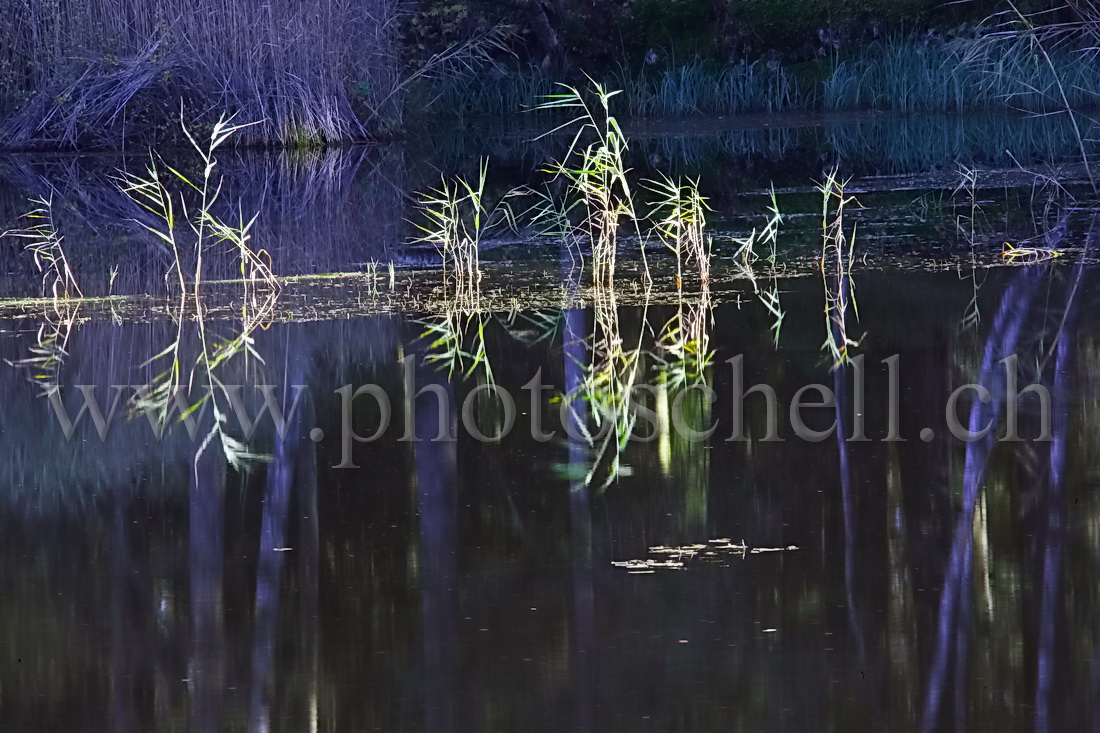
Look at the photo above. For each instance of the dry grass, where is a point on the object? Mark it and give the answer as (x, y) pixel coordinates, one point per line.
(100, 72)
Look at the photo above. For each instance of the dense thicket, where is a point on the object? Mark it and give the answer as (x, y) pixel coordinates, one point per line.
(101, 71)
(112, 73)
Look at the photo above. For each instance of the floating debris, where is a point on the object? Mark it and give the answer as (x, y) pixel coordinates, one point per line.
(712, 550)
(649, 564)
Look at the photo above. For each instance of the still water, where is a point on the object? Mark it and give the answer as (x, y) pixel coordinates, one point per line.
(468, 586)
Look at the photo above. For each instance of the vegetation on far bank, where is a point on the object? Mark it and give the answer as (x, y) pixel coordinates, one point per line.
(108, 74)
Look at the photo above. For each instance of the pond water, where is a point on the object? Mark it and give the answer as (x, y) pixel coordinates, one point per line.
(629, 572)
(474, 586)
(339, 210)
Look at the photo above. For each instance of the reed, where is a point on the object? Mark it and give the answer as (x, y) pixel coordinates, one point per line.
(996, 70)
(489, 90)
(152, 194)
(678, 216)
(837, 247)
(596, 174)
(701, 88)
(769, 295)
(966, 225)
(456, 220)
(1045, 45)
(102, 72)
(42, 240)
(260, 291)
(746, 257)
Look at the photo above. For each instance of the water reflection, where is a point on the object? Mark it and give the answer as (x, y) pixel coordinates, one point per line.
(954, 614)
(437, 508)
(352, 206)
(206, 559)
(349, 204)
(454, 585)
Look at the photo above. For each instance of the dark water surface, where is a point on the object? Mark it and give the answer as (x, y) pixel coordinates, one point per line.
(338, 210)
(468, 586)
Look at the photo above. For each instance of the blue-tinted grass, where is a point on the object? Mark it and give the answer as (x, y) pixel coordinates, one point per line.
(963, 75)
(904, 75)
(699, 88)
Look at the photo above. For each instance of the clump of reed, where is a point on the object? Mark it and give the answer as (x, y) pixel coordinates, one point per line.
(170, 211)
(491, 90)
(152, 193)
(260, 291)
(679, 218)
(42, 240)
(596, 175)
(747, 256)
(1001, 67)
(683, 90)
(837, 248)
(456, 220)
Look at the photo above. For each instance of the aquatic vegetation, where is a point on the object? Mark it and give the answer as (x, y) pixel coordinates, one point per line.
(837, 248)
(102, 75)
(716, 550)
(702, 88)
(372, 278)
(493, 92)
(596, 174)
(43, 242)
(678, 90)
(746, 257)
(158, 400)
(968, 184)
(1045, 46)
(769, 296)
(679, 218)
(995, 70)
(456, 222)
(152, 194)
(966, 225)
